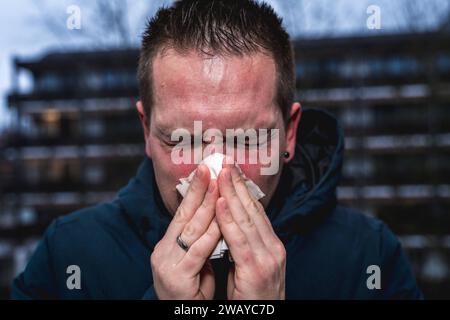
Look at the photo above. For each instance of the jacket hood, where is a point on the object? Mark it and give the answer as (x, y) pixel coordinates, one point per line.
(304, 197)
(307, 188)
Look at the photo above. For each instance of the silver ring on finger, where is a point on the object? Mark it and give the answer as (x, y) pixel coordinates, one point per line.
(183, 245)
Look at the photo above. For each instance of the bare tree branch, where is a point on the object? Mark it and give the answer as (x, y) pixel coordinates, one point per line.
(105, 24)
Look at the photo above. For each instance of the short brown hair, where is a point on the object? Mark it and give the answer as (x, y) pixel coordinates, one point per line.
(233, 27)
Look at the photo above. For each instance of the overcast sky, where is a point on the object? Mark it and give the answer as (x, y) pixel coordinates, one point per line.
(24, 34)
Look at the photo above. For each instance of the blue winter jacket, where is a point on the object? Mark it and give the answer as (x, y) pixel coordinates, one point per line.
(333, 252)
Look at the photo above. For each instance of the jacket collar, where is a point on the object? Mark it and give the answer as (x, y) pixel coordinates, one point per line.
(143, 204)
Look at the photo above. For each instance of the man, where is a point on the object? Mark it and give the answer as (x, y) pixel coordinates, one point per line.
(228, 64)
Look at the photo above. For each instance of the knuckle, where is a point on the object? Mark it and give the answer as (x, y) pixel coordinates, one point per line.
(193, 188)
(240, 240)
(237, 179)
(246, 221)
(160, 271)
(172, 285)
(247, 257)
(259, 207)
(206, 205)
(249, 224)
(252, 206)
(280, 249)
(232, 191)
(196, 184)
(213, 230)
(267, 271)
(181, 214)
(154, 261)
(196, 252)
(189, 230)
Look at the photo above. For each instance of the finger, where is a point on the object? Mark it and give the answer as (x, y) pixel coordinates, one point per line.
(207, 283)
(253, 207)
(200, 251)
(230, 281)
(239, 213)
(235, 238)
(199, 223)
(193, 199)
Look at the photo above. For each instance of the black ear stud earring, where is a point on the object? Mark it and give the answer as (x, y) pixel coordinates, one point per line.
(286, 154)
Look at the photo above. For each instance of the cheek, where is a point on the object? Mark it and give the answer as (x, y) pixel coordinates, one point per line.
(253, 172)
(267, 183)
(167, 175)
(163, 162)
(182, 170)
(167, 170)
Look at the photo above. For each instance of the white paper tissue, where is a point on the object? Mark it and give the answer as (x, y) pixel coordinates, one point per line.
(214, 163)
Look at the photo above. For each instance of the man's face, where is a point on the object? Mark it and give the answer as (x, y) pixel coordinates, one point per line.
(221, 92)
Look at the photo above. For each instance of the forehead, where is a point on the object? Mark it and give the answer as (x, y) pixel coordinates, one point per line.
(221, 91)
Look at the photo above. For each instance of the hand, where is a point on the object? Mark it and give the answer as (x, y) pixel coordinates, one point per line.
(259, 255)
(178, 274)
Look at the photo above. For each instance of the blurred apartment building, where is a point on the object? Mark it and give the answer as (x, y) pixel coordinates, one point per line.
(77, 139)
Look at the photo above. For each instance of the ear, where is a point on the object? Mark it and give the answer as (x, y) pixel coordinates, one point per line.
(291, 130)
(145, 122)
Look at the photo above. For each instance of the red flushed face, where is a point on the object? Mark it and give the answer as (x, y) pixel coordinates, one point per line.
(233, 92)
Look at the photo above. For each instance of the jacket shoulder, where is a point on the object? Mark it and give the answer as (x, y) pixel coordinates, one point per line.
(372, 243)
(99, 243)
(89, 229)
(98, 214)
(367, 235)
(352, 219)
